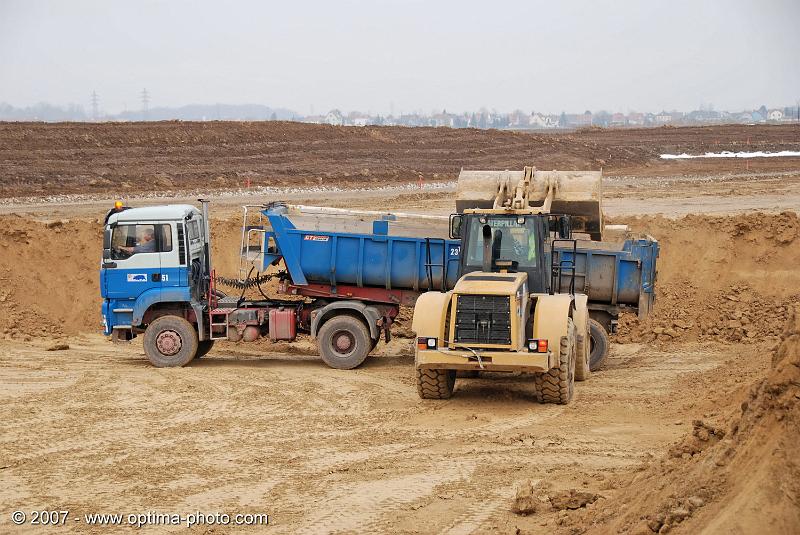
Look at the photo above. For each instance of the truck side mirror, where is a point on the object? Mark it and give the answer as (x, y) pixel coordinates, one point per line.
(456, 220)
(564, 227)
(107, 244)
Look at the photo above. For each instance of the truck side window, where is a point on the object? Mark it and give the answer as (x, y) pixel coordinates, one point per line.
(128, 240)
(193, 228)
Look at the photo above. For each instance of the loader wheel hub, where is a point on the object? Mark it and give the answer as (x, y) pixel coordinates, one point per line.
(343, 342)
(168, 342)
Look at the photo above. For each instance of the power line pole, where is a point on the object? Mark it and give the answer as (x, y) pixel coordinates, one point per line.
(95, 106)
(145, 97)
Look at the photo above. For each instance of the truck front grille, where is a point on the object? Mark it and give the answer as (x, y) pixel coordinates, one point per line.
(483, 319)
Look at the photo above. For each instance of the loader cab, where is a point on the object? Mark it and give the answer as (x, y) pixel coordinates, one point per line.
(505, 242)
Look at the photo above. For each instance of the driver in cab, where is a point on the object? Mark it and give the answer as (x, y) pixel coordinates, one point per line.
(523, 246)
(145, 241)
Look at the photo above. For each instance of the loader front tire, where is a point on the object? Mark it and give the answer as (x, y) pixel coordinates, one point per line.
(558, 384)
(170, 342)
(435, 384)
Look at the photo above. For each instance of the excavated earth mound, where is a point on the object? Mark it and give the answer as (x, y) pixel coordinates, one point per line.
(721, 279)
(742, 478)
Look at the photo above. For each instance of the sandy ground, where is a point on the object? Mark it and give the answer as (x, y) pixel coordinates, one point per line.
(270, 429)
(97, 429)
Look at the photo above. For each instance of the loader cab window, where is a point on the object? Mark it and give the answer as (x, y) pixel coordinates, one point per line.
(513, 238)
(128, 240)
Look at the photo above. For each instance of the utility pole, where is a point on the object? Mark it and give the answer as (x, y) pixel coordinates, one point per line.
(145, 96)
(95, 106)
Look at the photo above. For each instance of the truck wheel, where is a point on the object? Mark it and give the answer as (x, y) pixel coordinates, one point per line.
(344, 342)
(203, 348)
(557, 385)
(599, 344)
(170, 341)
(582, 362)
(435, 384)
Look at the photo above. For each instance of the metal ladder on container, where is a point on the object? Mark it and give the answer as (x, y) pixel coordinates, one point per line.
(430, 265)
(253, 230)
(563, 265)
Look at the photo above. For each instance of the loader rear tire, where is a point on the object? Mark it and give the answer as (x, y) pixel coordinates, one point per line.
(558, 384)
(203, 348)
(599, 344)
(170, 341)
(435, 384)
(344, 342)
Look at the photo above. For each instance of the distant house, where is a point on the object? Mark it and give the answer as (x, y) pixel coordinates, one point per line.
(663, 118)
(775, 115)
(635, 119)
(335, 118)
(578, 120)
(539, 120)
(618, 119)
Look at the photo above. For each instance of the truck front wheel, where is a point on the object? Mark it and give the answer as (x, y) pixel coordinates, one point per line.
(170, 341)
(344, 342)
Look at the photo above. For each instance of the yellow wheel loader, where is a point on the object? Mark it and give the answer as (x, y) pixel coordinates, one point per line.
(515, 308)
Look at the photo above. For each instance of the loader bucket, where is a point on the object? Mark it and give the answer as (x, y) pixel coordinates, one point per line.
(578, 194)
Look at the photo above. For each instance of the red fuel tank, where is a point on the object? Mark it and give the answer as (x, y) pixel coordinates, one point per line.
(282, 324)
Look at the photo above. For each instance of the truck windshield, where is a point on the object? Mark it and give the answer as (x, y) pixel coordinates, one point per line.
(513, 238)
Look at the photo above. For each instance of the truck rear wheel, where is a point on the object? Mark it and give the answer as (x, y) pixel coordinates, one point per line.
(344, 342)
(170, 341)
(203, 348)
(599, 344)
(435, 384)
(558, 385)
(582, 357)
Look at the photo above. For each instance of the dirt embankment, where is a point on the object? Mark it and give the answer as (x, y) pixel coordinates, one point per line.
(725, 279)
(39, 159)
(722, 279)
(49, 274)
(742, 477)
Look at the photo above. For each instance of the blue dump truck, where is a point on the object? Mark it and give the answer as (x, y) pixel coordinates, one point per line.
(345, 289)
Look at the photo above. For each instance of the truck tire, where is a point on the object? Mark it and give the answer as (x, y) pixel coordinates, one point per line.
(170, 341)
(558, 384)
(435, 384)
(583, 368)
(344, 342)
(203, 348)
(599, 344)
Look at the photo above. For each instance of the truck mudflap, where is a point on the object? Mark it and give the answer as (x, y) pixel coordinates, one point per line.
(490, 361)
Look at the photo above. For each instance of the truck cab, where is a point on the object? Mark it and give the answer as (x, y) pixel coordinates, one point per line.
(153, 261)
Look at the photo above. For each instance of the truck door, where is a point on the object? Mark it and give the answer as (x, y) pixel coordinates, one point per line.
(135, 262)
(173, 254)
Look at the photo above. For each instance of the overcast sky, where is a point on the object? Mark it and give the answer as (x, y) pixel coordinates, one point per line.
(616, 55)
